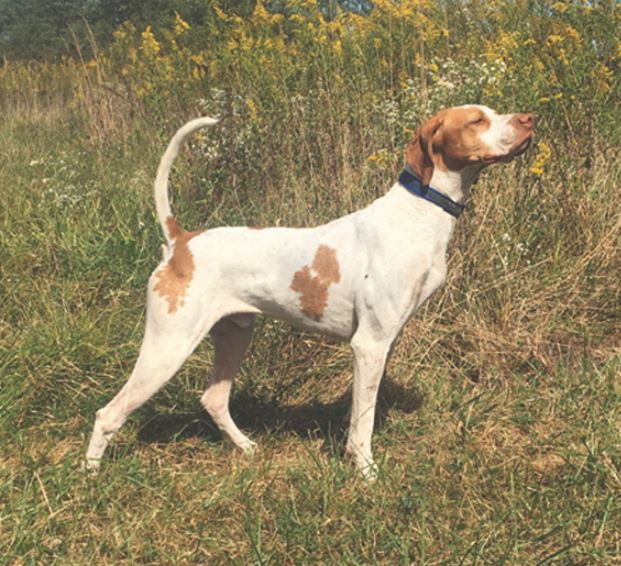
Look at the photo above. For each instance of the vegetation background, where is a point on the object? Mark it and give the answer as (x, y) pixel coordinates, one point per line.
(498, 437)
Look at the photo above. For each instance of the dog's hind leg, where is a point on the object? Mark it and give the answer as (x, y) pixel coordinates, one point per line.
(231, 337)
(167, 343)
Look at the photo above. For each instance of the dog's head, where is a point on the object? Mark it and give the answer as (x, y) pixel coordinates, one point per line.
(465, 136)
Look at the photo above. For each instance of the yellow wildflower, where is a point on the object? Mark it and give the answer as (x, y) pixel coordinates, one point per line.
(403, 79)
(573, 33)
(543, 154)
(507, 41)
(260, 13)
(150, 46)
(221, 13)
(391, 9)
(380, 157)
(252, 108)
(262, 16)
(198, 73)
(559, 7)
(604, 77)
(199, 59)
(563, 56)
(181, 26)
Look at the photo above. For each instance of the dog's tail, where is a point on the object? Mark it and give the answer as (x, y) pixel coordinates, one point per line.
(163, 171)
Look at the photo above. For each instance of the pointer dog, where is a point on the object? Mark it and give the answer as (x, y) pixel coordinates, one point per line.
(359, 278)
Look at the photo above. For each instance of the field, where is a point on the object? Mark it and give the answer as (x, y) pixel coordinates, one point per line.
(498, 436)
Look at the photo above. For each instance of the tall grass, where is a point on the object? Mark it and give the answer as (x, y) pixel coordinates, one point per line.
(498, 432)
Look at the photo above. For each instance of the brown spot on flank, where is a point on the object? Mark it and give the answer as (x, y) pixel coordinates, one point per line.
(313, 282)
(173, 279)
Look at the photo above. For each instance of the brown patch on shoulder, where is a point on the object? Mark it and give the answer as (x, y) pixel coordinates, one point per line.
(313, 282)
(174, 278)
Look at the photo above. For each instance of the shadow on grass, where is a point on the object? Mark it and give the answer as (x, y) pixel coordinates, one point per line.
(327, 420)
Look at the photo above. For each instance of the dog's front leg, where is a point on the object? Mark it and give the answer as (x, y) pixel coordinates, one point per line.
(370, 355)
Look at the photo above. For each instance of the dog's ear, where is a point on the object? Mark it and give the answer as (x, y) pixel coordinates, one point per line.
(418, 154)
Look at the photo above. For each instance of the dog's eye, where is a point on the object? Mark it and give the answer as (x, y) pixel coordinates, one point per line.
(479, 120)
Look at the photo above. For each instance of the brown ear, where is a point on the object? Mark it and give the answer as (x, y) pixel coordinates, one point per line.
(420, 149)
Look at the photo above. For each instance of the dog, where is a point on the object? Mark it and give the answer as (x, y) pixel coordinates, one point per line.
(358, 278)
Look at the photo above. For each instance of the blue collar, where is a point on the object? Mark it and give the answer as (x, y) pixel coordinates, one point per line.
(412, 183)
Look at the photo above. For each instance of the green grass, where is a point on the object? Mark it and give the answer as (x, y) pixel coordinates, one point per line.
(498, 429)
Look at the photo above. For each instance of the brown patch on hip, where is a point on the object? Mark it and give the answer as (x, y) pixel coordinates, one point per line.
(314, 288)
(174, 278)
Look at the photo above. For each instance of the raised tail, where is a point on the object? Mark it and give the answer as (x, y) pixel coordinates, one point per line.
(163, 171)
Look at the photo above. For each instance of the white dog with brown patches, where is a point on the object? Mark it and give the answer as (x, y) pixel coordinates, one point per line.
(359, 278)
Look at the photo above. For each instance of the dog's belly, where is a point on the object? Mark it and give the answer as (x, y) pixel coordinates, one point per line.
(336, 320)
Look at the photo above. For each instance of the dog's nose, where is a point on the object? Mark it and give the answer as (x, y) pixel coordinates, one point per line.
(526, 121)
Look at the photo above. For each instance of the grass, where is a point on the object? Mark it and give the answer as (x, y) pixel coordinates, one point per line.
(498, 432)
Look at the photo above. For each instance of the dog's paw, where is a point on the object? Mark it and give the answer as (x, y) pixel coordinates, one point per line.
(247, 446)
(369, 472)
(90, 466)
(365, 464)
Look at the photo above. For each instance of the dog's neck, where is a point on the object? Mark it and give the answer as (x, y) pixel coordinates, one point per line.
(455, 184)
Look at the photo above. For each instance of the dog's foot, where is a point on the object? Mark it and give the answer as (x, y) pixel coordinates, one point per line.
(91, 466)
(247, 446)
(365, 464)
(369, 472)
